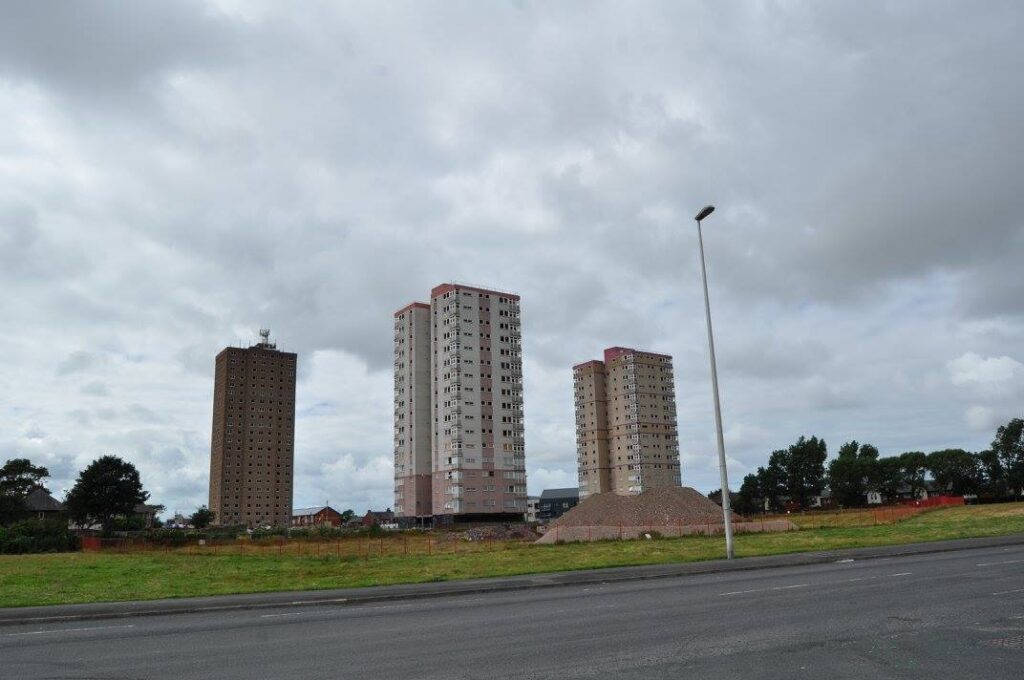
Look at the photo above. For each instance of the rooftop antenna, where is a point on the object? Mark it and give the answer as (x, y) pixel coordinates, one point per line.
(265, 342)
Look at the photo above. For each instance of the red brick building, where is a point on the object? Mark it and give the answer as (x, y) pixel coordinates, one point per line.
(251, 453)
(320, 515)
(377, 517)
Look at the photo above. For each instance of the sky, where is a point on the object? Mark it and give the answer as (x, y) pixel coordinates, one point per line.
(174, 176)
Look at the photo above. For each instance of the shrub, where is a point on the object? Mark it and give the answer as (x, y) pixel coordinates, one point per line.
(37, 535)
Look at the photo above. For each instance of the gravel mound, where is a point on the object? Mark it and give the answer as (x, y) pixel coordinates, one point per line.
(655, 507)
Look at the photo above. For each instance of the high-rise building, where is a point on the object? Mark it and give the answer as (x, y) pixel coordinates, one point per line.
(413, 427)
(627, 439)
(252, 449)
(459, 396)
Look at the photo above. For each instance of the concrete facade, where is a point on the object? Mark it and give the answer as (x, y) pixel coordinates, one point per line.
(627, 437)
(475, 419)
(412, 432)
(252, 448)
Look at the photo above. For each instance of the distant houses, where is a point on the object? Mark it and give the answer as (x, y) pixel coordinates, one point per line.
(41, 505)
(381, 518)
(553, 503)
(320, 515)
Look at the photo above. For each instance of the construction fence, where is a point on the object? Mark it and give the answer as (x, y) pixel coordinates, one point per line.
(569, 534)
(349, 548)
(395, 544)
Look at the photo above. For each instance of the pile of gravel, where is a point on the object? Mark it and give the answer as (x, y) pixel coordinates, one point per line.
(666, 506)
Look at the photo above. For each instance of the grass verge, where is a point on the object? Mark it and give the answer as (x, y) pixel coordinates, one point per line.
(68, 578)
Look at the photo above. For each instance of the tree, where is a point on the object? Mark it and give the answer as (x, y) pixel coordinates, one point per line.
(853, 473)
(716, 497)
(889, 477)
(202, 517)
(772, 479)
(107, 489)
(750, 499)
(804, 465)
(991, 474)
(1008, 447)
(955, 471)
(347, 515)
(18, 477)
(914, 465)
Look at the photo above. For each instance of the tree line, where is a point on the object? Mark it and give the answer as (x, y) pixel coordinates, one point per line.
(796, 477)
(105, 496)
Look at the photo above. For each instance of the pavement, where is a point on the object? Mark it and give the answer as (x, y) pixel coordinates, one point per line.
(911, 614)
(352, 596)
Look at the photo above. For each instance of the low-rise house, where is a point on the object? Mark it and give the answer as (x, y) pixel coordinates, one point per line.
(41, 505)
(320, 515)
(554, 503)
(385, 518)
(147, 513)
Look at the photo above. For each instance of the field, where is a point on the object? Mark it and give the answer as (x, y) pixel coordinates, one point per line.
(96, 577)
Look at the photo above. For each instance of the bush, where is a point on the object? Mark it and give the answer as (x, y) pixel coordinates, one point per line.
(36, 536)
(267, 533)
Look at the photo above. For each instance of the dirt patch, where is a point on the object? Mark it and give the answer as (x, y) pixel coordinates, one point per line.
(667, 506)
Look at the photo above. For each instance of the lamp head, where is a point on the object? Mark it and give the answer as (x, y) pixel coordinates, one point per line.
(705, 212)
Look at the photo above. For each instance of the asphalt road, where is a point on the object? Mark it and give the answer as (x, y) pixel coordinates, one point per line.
(944, 615)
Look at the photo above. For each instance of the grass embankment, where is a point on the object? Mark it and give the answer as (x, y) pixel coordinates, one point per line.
(97, 577)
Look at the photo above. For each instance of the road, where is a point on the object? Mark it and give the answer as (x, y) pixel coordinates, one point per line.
(955, 614)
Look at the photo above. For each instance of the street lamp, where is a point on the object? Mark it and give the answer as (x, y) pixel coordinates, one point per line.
(726, 500)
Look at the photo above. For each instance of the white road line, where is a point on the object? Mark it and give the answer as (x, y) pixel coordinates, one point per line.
(764, 590)
(274, 616)
(65, 630)
(992, 564)
(905, 573)
(1007, 592)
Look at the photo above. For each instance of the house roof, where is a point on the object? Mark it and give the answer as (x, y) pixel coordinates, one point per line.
(304, 512)
(571, 492)
(38, 500)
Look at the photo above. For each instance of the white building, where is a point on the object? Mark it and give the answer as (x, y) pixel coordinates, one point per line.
(459, 395)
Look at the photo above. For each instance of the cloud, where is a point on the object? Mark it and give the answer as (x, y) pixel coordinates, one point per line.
(78, 361)
(971, 368)
(95, 389)
(981, 419)
(176, 176)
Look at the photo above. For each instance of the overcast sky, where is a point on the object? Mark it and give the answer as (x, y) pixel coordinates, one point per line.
(175, 175)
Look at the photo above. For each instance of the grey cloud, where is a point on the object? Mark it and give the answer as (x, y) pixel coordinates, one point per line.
(177, 176)
(95, 389)
(106, 48)
(78, 361)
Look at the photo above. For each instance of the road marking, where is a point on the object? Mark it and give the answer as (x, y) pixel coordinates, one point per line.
(861, 578)
(764, 590)
(992, 564)
(274, 616)
(1007, 592)
(847, 560)
(905, 573)
(65, 630)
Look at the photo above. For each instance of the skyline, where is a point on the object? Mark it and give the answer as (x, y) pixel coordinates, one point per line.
(229, 166)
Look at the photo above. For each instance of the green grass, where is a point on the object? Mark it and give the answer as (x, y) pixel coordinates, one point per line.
(98, 577)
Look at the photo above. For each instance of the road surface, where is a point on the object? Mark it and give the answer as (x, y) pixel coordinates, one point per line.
(943, 615)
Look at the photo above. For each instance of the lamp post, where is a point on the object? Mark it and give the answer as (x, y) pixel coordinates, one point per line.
(723, 473)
